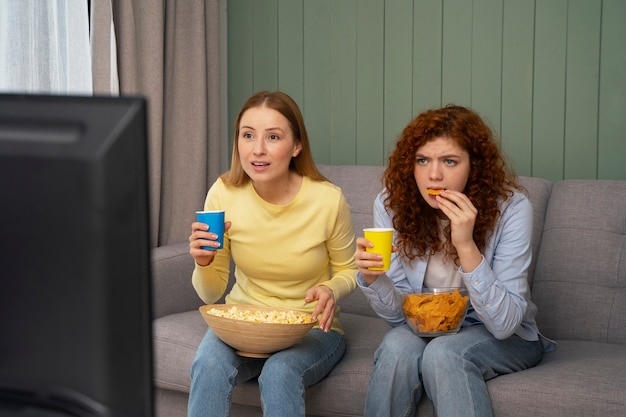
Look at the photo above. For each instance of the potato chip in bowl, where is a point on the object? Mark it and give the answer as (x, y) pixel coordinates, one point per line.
(436, 311)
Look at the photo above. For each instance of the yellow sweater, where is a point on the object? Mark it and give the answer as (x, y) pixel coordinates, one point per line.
(281, 251)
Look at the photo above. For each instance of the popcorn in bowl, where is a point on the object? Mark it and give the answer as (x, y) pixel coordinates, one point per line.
(256, 331)
(263, 316)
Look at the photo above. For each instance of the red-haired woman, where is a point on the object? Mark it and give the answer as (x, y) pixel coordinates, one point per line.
(459, 220)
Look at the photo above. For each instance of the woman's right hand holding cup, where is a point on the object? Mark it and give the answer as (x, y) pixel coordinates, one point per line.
(201, 237)
(366, 260)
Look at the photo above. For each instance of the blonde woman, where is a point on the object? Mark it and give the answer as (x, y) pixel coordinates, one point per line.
(289, 233)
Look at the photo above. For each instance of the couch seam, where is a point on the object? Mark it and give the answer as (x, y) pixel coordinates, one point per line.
(568, 396)
(173, 342)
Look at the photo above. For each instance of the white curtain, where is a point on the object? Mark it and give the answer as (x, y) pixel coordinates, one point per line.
(172, 52)
(44, 47)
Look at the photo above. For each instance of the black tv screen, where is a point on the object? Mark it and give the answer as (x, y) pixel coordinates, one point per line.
(75, 284)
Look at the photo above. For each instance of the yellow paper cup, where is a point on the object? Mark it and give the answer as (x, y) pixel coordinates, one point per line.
(382, 238)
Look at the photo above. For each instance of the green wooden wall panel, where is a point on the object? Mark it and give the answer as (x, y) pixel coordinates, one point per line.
(548, 75)
(582, 83)
(398, 60)
(549, 88)
(457, 53)
(343, 73)
(486, 72)
(265, 44)
(240, 65)
(517, 83)
(369, 82)
(317, 77)
(291, 49)
(612, 106)
(427, 54)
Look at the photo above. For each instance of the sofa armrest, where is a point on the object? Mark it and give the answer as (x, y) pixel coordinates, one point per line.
(172, 292)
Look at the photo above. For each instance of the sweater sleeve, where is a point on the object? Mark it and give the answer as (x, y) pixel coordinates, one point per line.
(341, 246)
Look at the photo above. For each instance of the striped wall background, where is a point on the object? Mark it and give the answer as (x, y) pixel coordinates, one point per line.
(548, 75)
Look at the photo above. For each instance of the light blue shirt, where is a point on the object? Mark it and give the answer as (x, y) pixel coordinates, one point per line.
(498, 286)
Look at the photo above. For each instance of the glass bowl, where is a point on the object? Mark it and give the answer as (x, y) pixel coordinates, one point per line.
(436, 311)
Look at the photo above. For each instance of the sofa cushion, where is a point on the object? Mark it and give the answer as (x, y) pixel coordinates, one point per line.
(579, 379)
(175, 340)
(580, 279)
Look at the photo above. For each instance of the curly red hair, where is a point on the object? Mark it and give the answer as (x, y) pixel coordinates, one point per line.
(489, 183)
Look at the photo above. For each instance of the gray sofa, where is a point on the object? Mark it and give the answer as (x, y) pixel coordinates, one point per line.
(578, 281)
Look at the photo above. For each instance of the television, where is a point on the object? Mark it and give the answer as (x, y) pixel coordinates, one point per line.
(75, 282)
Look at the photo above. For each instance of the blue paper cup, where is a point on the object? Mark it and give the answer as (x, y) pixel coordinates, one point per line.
(215, 221)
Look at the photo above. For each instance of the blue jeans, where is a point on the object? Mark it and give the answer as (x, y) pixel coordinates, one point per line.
(283, 377)
(451, 369)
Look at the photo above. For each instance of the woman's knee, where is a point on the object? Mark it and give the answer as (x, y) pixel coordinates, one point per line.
(442, 352)
(280, 377)
(399, 345)
(213, 357)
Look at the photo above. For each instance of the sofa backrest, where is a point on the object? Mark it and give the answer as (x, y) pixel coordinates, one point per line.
(538, 192)
(172, 292)
(360, 185)
(580, 278)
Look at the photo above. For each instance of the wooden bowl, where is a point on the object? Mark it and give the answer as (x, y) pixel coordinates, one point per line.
(254, 339)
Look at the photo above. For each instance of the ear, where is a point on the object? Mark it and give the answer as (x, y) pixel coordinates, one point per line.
(297, 150)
